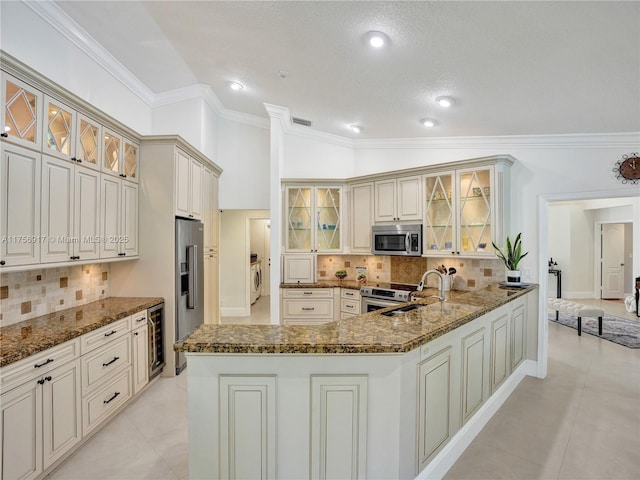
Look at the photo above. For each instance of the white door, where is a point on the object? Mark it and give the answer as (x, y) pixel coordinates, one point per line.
(110, 216)
(57, 210)
(266, 261)
(86, 214)
(612, 260)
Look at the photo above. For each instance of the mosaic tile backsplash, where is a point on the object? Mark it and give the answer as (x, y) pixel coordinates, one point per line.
(471, 274)
(26, 295)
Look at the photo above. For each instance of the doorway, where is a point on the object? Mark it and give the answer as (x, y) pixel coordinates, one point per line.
(615, 259)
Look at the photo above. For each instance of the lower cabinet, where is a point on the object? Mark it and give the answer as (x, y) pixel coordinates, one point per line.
(474, 372)
(500, 364)
(53, 399)
(349, 303)
(308, 306)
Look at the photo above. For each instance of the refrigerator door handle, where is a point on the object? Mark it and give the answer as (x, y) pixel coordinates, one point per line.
(192, 297)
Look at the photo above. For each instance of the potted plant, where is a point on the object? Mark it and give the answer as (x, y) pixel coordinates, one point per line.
(511, 257)
(341, 274)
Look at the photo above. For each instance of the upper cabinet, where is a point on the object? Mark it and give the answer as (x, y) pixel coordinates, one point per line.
(465, 211)
(361, 217)
(398, 199)
(313, 218)
(119, 156)
(188, 186)
(21, 112)
(88, 142)
(59, 127)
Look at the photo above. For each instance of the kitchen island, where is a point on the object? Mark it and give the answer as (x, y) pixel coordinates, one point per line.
(388, 394)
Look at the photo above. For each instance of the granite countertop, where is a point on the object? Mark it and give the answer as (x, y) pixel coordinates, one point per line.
(23, 339)
(366, 333)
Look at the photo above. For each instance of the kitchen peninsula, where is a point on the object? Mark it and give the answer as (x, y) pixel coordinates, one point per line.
(378, 395)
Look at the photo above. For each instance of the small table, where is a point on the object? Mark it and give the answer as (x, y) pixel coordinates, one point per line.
(556, 272)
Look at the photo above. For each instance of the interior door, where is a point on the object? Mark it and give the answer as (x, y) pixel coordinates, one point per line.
(612, 260)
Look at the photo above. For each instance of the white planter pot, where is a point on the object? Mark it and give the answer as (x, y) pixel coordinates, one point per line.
(513, 276)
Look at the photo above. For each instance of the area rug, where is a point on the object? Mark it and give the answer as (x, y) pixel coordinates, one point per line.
(615, 329)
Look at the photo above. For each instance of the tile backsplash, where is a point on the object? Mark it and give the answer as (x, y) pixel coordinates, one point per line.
(471, 273)
(26, 295)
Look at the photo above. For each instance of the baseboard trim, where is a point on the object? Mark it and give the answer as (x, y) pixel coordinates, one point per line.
(443, 461)
(235, 311)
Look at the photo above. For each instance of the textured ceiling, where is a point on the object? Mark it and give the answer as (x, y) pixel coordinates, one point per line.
(515, 68)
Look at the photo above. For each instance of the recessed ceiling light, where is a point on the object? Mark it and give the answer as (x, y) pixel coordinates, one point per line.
(445, 101)
(428, 122)
(236, 86)
(377, 39)
(355, 128)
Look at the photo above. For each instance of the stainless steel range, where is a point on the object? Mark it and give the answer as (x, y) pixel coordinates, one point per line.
(375, 298)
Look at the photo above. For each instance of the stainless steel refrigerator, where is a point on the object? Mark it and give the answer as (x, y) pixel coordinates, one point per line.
(189, 281)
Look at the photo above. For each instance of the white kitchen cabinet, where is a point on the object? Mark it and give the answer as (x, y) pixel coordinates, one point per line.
(20, 208)
(349, 303)
(398, 199)
(70, 211)
(435, 375)
(518, 327)
(362, 208)
(500, 355)
(140, 354)
(119, 156)
(307, 306)
(466, 210)
(211, 288)
(59, 127)
(188, 186)
(21, 112)
(88, 145)
(313, 219)
(299, 268)
(474, 372)
(40, 404)
(119, 218)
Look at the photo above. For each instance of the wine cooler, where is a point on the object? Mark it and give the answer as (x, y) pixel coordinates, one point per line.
(155, 317)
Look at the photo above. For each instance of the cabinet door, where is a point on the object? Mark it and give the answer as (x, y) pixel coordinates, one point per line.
(434, 405)
(299, 221)
(409, 198)
(88, 142)
(140, 349)
(195, 196)
(21, 112)
(86, 215)
(128, 237)
(475, 211)
(21, 432)
(329, 220)
(20, 208)
(361, 217)
(499, 350)
(518, 334)
(183, 179)
(439, 226)
(211, 288)
(59, 127)
(474, 376)
(130, 160)
(215, 213)
(61, 411)
(299, 268)
(207, 215)
(111, 153)
(110, 198)
(385, 200)
(57, 210)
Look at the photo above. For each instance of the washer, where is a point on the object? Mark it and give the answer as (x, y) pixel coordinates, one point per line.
(256, 282)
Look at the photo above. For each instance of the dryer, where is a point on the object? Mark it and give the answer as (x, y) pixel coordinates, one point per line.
(256, 281)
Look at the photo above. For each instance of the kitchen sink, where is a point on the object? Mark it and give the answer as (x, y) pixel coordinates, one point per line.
(399, 310)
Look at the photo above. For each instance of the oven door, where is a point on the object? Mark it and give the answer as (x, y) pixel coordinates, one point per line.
(369, 304)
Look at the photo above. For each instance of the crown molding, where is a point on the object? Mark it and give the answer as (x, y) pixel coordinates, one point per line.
(68, 28)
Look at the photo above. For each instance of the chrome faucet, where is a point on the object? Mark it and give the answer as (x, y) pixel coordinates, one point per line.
(424, 277)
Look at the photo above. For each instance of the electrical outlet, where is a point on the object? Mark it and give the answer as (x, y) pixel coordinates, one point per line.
(527, 273)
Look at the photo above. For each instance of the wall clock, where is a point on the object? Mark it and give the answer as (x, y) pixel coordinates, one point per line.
(627, 169)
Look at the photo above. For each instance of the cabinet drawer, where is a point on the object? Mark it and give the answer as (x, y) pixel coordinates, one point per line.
(350, 306)
(304, 321)
(308, 292)
(106, 361)
(24, 370)
(138, 319)
(102, 336)
(349, 293)
(344, 315)
(321, 308)
(97, 407)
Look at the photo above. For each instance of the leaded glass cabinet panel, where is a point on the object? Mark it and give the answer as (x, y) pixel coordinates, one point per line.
(22, 112)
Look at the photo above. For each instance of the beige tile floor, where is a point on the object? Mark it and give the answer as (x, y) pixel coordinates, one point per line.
(581, 422)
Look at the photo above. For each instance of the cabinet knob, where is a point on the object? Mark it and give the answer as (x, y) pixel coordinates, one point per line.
(4, 135)
(2, 262)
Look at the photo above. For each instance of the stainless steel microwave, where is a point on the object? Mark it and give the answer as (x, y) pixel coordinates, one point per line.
(397, 240)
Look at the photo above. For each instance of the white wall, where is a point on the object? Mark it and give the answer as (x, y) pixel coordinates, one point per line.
(306, 157)
(243, 154)
(235, 248)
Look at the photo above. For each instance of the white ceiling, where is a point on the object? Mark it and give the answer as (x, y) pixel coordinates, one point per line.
(515, 68)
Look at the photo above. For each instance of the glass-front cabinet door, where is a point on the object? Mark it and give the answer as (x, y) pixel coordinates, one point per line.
(475, 211)
(130, 163)
(313, 219)
(111, 153)
(88, 142)
(328, 226)
(59, 129)
(299, 208)
(440, 218)
(21, 112)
